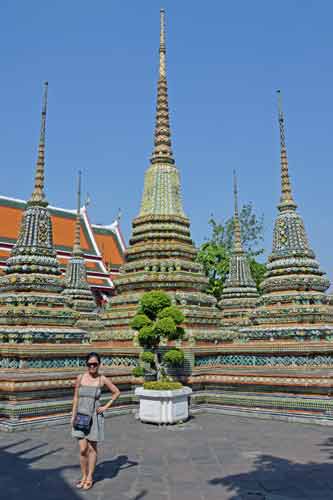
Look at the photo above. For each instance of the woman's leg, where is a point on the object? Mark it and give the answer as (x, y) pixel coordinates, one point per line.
(92, 459)
(84, 450)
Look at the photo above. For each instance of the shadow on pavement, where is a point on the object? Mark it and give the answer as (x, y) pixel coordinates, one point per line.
(328, 446)
(19, 479)
(140, 495)
(111, 468)
(279, 478)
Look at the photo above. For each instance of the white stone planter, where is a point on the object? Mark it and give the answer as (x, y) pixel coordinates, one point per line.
(163, 407)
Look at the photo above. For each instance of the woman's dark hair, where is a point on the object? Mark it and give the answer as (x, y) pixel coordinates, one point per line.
(93, 355)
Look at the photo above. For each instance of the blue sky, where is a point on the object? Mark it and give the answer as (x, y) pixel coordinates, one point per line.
(225, 62)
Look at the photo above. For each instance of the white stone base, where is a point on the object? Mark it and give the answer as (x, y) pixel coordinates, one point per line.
(163, 407)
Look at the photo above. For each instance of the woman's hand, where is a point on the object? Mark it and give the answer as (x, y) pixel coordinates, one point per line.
(101, 409)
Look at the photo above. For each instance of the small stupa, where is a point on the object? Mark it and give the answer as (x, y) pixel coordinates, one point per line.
(240, 293)
(77, 289)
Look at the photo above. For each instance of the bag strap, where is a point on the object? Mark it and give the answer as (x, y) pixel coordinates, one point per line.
(98, 385)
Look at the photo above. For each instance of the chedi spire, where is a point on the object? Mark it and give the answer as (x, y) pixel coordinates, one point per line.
(162, 151)
(161, 254)
(286, 200)
(162, 191)
(237, 229)
(32, 274)
(293, 301)
(38, 196)
(33, 251)
(77, 240)
(239, 294)
(77, 289)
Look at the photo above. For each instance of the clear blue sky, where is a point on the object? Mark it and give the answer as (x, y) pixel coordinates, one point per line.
(225, 61)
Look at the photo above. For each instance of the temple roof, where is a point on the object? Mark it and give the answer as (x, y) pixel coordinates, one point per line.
(103, 246)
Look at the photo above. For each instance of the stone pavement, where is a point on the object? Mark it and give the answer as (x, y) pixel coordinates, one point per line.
(211, 457)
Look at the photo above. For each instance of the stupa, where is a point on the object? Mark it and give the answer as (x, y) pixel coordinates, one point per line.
(240, 293)
(77, 289)
(161, 253)
(293, 303)
(32, 307)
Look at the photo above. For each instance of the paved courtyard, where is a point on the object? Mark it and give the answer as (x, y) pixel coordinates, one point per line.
(209, 458)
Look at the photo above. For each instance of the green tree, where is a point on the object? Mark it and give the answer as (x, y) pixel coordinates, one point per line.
(214, 254)
(157, 319)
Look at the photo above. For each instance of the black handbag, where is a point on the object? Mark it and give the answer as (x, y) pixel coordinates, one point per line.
(82, 421)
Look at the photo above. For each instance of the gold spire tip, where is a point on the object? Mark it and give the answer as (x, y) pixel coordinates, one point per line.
(279, 99)
(162, 44)
(237, 230)
(235, 192)
(77, 239)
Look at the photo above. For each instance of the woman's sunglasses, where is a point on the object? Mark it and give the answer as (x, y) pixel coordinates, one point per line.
(92, 365)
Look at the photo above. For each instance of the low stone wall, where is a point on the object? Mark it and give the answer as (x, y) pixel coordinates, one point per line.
(263, 379)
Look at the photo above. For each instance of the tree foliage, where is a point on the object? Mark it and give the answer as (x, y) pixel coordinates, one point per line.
(214, 254)
(174, 357)
(139, 321)
(172, 312)
(157, 319)
(154, 302)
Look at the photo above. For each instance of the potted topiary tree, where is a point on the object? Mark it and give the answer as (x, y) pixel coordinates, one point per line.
(162, 400)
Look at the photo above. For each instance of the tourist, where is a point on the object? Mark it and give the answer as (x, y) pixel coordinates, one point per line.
(88, 416)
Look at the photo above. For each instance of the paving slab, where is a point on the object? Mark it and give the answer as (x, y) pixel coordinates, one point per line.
(211, 457)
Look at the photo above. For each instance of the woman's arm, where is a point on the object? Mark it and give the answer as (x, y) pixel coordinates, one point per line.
(76, 398)
(115, 394)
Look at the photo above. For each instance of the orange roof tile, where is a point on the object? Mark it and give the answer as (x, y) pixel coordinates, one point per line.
(63, 233)
(110, 250)
(102, 245)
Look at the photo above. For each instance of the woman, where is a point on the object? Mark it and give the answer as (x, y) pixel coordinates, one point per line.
(88, 389)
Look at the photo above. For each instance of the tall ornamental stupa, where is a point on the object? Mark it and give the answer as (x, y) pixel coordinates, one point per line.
(32, 307)
(293, 302)
(161, 253)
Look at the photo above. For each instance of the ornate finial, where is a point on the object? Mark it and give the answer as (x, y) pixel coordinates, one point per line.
(162, 152)
(286, 200)
(38, 196)
(77, 242)
(237, 230)
(162, 44)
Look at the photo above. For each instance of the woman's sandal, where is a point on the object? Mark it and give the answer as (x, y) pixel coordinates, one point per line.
(80, 483)
(88, 485)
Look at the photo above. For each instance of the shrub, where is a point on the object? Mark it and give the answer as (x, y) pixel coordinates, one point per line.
(138, 371)
(174, 357)
(172, 312)
(165, 327)
(153, 302)
(147, 337)
(139, 321)
(147, 357)
(157, 318)
(162, 385)
(179, 334)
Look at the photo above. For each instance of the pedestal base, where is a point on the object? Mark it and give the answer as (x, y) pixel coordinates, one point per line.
(163, 407)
